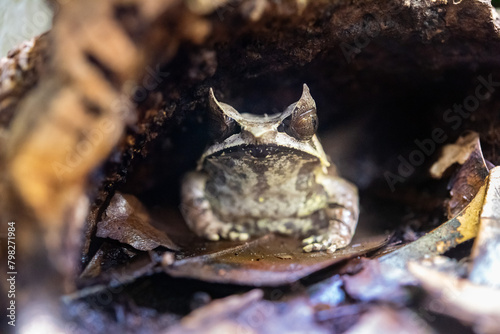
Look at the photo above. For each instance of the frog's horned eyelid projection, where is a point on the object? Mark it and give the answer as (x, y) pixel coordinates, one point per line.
(299, 119)
(302, 125)
(271, 176)
(304, 120)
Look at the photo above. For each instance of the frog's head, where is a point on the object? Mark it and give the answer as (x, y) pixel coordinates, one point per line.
(294, 129)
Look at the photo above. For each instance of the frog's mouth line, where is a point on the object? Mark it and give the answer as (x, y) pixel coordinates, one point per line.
(235, 146)
(262, 152)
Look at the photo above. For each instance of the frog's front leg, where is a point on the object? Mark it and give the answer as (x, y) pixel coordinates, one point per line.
(342, 213)
(198, 212)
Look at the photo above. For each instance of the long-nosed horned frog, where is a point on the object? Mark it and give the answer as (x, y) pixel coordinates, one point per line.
(269, 173)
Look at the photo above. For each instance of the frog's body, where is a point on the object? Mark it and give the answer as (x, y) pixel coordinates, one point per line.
(272, 176)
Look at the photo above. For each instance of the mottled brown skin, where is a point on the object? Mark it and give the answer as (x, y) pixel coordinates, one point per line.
(272, 176)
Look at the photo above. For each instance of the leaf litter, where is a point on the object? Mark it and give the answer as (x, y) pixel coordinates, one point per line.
(276, 261)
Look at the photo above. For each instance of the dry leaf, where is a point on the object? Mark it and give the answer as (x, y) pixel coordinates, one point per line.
(383, 278)
(455, 231)
(271, 260)
(459, 152)
(107, 256)
(127, 221)
(460, 298)
(249, 313)
(389, 321)
(469, 178)
(486, 260)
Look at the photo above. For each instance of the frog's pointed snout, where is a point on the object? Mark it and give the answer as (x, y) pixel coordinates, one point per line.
(259, 134)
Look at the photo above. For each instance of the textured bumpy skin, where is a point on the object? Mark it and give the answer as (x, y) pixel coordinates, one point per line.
(264, 180)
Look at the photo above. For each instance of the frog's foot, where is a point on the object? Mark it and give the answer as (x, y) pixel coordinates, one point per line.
(197, 210)
(199, 215)
(217, 230)
(337, 235)
(208, 226)
(342, 213)
(238, 236)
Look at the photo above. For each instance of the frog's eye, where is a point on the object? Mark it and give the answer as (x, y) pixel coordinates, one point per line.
(304, 125)
(303, 122)
(221, 125)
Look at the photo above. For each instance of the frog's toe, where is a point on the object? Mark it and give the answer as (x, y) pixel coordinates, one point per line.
(212, 236)
(244, 236)
(336, 242)
(238, 236)
(308, 248)
(324, 242)
(315, 243)
(312, 240)
(215, 231)
(331, 249)
(308, 241)
(315, 247)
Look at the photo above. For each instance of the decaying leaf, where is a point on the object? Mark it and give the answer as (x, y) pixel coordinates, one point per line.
(469, 178)
(468, 194)
(389, 321)
(383, 277)
(486, 252)
(328, 292)
(249, 313)
(106, 257)
(455, 231)
(377, 282)
(127, 221)
(475, 304)
(218, 314)
(459, 152)
(271, 260)
(100, 276)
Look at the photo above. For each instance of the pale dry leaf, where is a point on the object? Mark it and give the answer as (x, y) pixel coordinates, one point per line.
(485, 267)
(127, 221)
(460, 298)
(458, 152)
